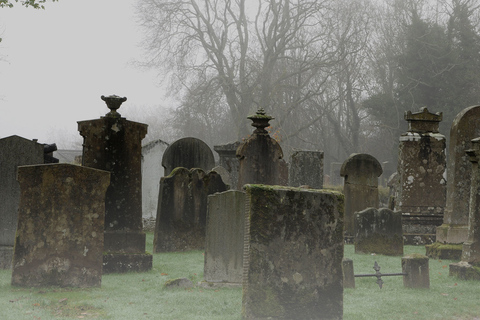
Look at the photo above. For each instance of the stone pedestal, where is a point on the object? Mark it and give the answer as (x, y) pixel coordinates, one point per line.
(293, 254)
(113, 143)
(59, 240)
(421, 193)
(417, 274)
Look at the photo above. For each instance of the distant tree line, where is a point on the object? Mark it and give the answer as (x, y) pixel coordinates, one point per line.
(337, 75)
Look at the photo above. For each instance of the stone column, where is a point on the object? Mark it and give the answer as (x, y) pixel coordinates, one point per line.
(113, 143)
(421, 193)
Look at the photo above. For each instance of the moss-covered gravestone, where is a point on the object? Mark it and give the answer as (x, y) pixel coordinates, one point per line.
(378, 231)
(360, 172)
(113, 143)
(182, 209)
(14, 151)
(293, 253)
(59, 239)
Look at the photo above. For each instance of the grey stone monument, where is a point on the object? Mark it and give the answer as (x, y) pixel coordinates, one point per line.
(306, 168)
(188, 153)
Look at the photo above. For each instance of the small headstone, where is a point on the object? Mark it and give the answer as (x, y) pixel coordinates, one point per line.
(417, 273)
(306, 168)
(361, 172)
(61, 215)
(188, 153)
(113, 143)
(421, 192)
(152, 171)
(465, 127)
(293, 253)
(260, 156)
(14, 151)
(378, 231)
(348, 273)
(182, 209)
(228, 159)
(224, 237)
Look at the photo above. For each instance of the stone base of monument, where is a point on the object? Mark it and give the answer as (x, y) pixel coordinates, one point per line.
(126, 262)
(445, 251)
(6, 257)
(220, 284)
(420, 229)
(465, 271)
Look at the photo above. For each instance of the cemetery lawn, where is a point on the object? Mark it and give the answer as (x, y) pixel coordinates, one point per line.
(135, 296)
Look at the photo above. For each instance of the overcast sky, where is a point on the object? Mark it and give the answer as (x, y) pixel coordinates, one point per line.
(57, 62)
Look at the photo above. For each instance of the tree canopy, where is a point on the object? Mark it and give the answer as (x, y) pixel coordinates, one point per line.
(37, 4)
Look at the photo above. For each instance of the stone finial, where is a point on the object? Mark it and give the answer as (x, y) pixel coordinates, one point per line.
(423, 121)
(113, 103)
(260, 121)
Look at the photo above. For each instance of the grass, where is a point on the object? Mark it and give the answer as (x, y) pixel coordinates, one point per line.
(143, 296)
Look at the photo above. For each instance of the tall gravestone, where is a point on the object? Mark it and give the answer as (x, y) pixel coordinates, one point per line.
(14, 151)
(260, 156)
(182, 209)
(469, 267)
(188, 153)
(224, 238)
(228, 160)
(335, 177)
(113, 143)
(360, 172)
(465, 127)
(152, 171)
(59, 240)
(293, 253)
(306, 168)
(422, 186)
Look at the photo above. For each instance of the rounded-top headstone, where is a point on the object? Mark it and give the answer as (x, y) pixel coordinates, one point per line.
(361, 168)
(188, 153)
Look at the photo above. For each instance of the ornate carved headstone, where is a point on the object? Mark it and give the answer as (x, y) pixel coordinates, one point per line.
(378, 231)
(293, 253)
(360, 172)
(224, 238)
(61, 215)
(421, 193)
(182, 209)
(260, 156)
(306, 168)
(188, 153)
(14, 151)
(465, 127)
(113, 143)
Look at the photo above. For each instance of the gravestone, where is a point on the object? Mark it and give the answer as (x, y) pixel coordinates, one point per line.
(182, 209)
(421, 193)
(224, 238)
(14, 151)
(113, 144)
(378, 231)
(260, 156)
(417, 274)
(59, 240)
(360, 172)
(335, 177)
(228, 159)
(465, 127)
(152, 171)
(306, 168)
(469, 267)
(188, 153)
(293, 253)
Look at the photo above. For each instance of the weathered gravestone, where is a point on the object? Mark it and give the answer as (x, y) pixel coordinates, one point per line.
(306, 168)
(469, 267)
(360, 172)
(378, 231)
(152, 171)
(182, 209)
(224, 238)
(59, 240)
(188, 153)
(293, 253)
(228, 160)
(113, 143)
(14, 151)
(260, 156)
(465, 127)
(335, 177)
(422, 186)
